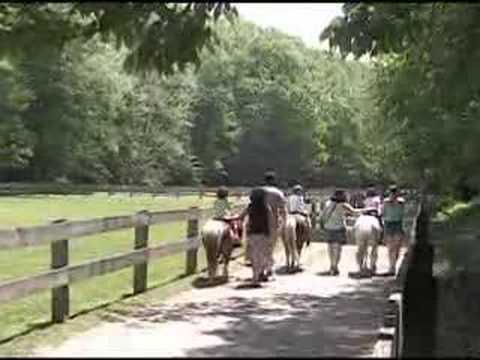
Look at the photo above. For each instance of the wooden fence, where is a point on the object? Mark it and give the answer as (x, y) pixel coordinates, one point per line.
(59, 233)
(12, 189)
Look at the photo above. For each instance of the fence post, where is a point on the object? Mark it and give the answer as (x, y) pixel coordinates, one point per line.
(141, 242)
(420, 293)
(192, 236)
(61, 294)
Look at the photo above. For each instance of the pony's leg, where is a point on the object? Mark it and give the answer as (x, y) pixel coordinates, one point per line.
(225, 266)
(212, 270)
(361, 250)
(373, 257)
(295, 256)
(211, 256)
(287, 252)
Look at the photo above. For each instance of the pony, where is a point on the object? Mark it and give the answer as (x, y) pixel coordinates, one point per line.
(218, 238)
(367, 233)
(298, 231)
(303, 231)
(289, 240)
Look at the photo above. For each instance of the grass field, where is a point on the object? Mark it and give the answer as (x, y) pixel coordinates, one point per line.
(32, 312)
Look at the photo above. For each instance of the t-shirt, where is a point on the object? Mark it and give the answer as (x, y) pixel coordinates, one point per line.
(274, 197)
(220, 208)
(296, 203)
(393, 209)
(374, 202)
(333, 217)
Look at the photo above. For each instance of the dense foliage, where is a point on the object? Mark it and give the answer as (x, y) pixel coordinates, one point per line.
(427, 88)
(72, 110)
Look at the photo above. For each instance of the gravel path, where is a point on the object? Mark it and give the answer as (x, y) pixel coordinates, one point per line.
(302, 314)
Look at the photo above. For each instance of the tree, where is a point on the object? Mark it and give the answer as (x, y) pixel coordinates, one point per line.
(158, 36)
(427, 92)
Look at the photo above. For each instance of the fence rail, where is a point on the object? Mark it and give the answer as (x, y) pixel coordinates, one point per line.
(10, 189)
(61, 275)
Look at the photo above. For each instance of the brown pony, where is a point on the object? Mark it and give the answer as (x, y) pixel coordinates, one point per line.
(218, 237)
(303, 230)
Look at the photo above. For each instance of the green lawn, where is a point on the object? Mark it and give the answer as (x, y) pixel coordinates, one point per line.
(26, 313)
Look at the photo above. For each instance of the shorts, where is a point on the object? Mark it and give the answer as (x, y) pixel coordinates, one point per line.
(336, 236)
(393, 228)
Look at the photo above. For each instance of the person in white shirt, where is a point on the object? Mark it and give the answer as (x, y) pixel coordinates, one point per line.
(374, 205)
(296, 201)
(296, 206)
(373, 202)
(333, 222)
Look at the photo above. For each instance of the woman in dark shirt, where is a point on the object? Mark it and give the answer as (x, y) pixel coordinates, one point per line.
(260, 232)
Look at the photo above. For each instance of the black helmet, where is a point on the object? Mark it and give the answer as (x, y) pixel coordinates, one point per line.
(393, 189)
(371, 191)
(257, 194)
(222, 192)
(297, 188)
(339, 195)
(270, 177)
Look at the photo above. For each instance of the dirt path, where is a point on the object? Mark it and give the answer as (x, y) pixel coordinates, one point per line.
(303, 314)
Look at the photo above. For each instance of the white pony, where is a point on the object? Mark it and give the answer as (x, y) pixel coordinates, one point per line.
(290, 243)
(367, 233)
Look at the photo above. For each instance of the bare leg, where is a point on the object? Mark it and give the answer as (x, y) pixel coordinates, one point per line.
(337, 252)
(255, 258)
(331, 255)
(393, 244)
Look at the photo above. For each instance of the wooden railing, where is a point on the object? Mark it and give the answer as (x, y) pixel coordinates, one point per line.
(59, 233)
(11, 189)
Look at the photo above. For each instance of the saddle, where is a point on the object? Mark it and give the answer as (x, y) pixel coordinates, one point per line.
(234, 228)
(305, 215)
(372, 213)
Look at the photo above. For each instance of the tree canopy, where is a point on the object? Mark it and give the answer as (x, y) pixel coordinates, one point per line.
(427, 85)
(256, 99)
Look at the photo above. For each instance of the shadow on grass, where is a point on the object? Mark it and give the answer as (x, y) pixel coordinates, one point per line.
(286, 324)
(34, 327)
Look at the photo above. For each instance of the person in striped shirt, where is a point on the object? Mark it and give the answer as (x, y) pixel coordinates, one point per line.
(222, 211)
(221, 206)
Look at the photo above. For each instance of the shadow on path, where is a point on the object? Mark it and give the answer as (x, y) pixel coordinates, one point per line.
(282, 324)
